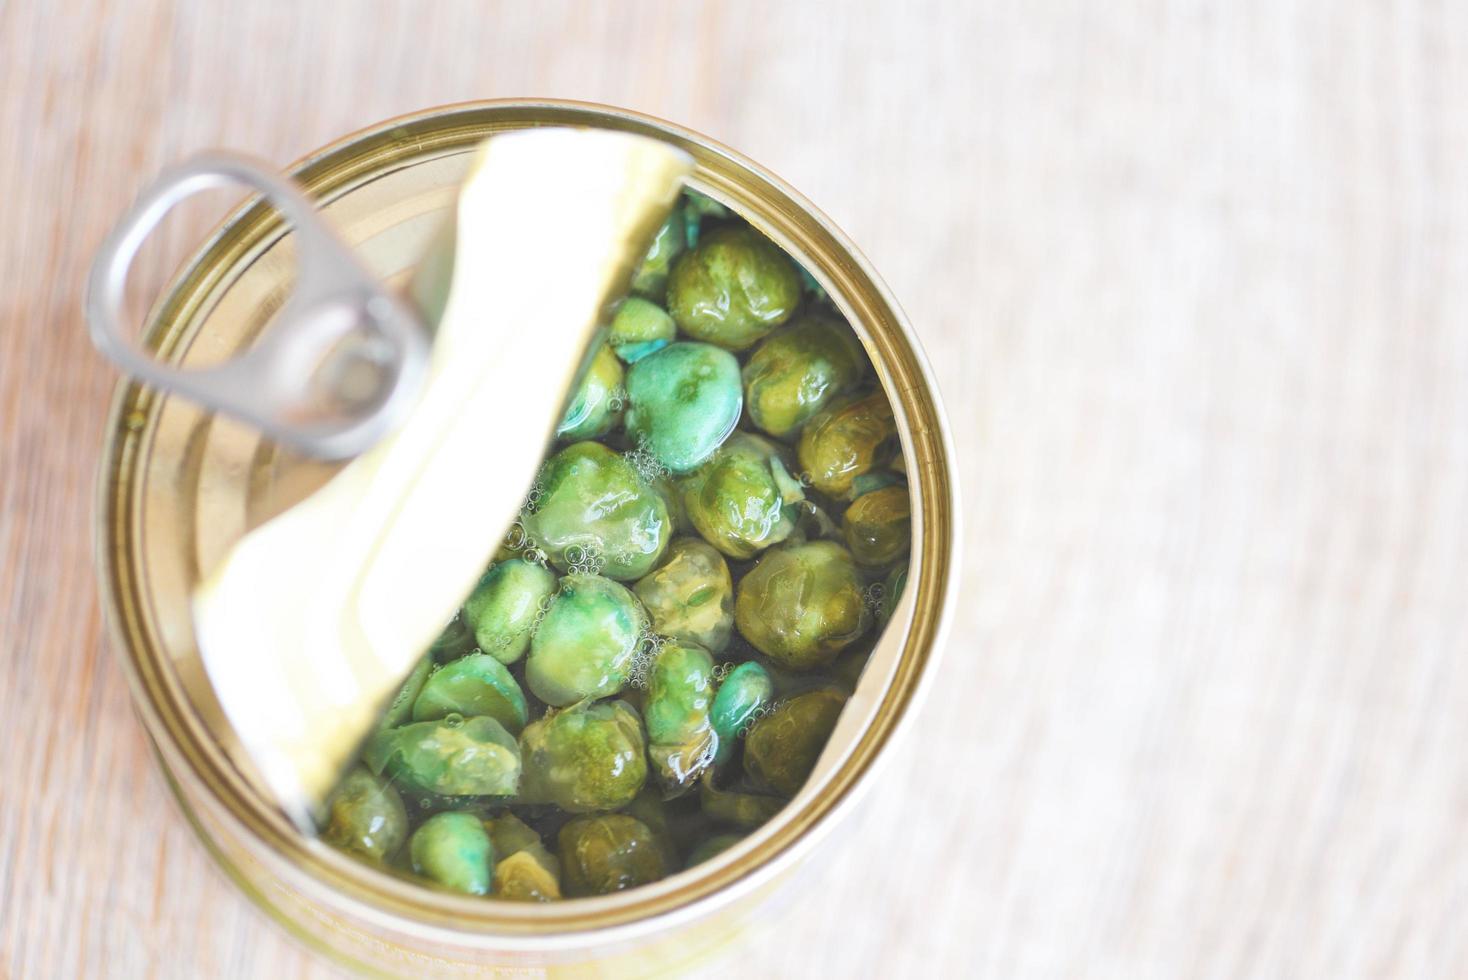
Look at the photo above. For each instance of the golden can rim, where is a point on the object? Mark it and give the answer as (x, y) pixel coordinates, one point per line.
(778, 210)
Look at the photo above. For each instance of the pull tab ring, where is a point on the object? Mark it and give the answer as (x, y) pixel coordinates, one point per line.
(337, 369)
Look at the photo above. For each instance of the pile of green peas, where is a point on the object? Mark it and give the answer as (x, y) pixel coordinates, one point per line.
(653, 662)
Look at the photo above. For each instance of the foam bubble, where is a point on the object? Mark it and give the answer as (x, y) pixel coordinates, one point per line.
(644, 654)
(754, 716)
(533, 498)
(646, 464)
(872, 595)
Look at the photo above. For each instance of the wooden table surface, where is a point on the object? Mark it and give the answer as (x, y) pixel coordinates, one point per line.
(1194, 281)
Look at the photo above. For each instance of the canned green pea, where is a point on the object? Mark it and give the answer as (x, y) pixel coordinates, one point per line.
(178, 486)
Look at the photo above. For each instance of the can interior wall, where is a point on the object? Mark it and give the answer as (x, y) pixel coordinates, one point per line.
(177, 487)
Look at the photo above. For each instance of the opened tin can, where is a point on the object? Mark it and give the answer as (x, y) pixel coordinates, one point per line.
(177, 485)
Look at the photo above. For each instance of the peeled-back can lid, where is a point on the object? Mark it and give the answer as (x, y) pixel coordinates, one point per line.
(312, 619)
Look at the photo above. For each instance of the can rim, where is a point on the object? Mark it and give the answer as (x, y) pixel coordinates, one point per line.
(333, 169)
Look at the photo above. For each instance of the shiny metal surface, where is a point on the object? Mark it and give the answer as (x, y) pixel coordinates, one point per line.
(340, 365)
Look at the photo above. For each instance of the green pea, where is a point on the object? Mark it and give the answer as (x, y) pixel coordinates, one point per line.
(668, 828)
(712, 847)
(453, 850)
(682, 403)
(585, 644)
(802, 605)
(743, 499)
(680, 691)
(733, 288)
(783, 746)
(814, 289)
(366, 815)
(456, 639)
(524, 870)
(743, 694)
(651, 807)
(526, 877)
(595, 504)
(651, 278)
(672, 498)
(453, 756)
(474, 685)
(596, 405)
(590, 756)
(701, 205)
(736, 808)
(510, 835)
(851, 436)
(847, 670)
(639, 328)
(865, 483)
(608, 853)
(789, 683)
(878, 526)
(690, 596)
(502, 609)
(401, 707)
(798, 369)
(696, 207)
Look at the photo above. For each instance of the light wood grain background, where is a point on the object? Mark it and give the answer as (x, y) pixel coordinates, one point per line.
(1194, 280)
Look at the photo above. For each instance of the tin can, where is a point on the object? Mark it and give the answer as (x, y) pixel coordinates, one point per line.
(177, 486)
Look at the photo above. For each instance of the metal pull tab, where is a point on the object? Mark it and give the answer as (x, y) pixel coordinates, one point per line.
(337, 369)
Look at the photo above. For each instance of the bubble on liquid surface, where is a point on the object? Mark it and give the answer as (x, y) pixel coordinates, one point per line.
(872, 595)
(649, 470)
(754, 716)
(584, 560)
(533, 497)
(515, 538)
(644, 654)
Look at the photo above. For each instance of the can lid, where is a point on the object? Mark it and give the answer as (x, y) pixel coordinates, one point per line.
(311, 621)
